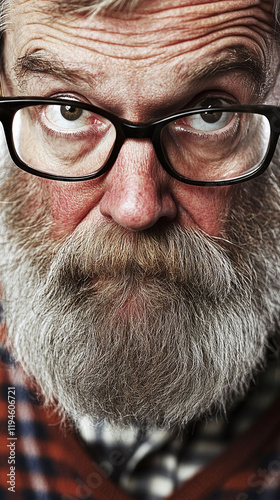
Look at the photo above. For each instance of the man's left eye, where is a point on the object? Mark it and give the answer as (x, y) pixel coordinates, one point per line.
(210, 120)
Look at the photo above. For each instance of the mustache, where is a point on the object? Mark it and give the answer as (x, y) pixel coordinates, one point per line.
(170, 253)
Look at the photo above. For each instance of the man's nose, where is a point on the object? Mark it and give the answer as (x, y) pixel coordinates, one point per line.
(137, 189)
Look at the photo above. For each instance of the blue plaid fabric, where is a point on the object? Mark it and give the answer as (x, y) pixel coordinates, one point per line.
(52, 463)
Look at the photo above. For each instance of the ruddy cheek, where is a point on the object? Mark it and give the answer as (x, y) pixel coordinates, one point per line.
(210, 220)
(204, 208)
(212, 216)
(69, 204)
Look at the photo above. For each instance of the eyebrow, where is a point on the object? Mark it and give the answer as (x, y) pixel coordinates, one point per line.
(235, 58)
(38, 64)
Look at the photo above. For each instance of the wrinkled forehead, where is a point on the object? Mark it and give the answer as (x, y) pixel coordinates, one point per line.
(141, 20)
(162, 41)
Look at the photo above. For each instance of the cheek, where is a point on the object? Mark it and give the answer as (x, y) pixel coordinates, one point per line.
(70, 203)
(204, 208)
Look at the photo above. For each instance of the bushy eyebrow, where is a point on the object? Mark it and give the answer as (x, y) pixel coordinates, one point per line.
(235, 58)
(38, 63)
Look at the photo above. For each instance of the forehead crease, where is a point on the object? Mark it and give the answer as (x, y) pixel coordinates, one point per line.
(144, 35)
(185, 15)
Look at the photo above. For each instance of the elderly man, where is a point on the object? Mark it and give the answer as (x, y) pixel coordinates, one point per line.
(140, 250)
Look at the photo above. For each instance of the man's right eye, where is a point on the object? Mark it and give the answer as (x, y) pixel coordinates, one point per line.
(67, 117)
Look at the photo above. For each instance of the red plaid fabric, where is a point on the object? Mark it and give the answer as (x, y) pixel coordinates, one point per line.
(53, 464)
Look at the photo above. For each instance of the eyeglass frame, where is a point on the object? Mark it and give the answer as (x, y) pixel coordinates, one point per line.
(130, 130)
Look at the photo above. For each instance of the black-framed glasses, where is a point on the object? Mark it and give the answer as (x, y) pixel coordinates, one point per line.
(66, 140)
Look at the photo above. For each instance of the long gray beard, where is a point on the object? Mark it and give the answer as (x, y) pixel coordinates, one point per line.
(153, 328)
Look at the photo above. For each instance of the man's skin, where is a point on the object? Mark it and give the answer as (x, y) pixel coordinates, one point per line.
(141, 67)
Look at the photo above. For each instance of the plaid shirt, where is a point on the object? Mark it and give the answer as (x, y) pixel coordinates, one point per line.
(41, 461)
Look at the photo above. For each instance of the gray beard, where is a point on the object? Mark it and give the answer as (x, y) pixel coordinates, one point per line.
(152, 328)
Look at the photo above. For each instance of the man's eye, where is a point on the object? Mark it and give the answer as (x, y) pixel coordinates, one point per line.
(209, 121)
(71, 112)
(68, 117)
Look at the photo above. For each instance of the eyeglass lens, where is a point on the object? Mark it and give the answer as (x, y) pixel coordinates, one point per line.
(62, 140)
(216, 145)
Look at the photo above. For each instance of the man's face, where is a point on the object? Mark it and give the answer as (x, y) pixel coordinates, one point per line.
(163, 58)
(145, 296)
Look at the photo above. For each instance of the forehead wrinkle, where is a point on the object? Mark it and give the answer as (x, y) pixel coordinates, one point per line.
(138, 29)
(134, 38)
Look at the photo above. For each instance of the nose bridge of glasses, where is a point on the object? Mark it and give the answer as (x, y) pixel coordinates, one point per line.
(138, 131)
